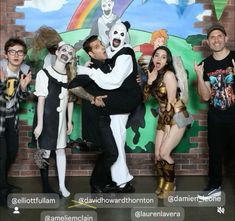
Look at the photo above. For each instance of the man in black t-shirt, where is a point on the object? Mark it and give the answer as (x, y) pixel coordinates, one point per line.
(215, 79)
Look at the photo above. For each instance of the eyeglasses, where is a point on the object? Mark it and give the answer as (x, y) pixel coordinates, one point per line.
(14, 52)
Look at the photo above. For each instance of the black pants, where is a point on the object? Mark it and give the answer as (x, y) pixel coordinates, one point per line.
(89, 114)
(221, 141)
(101, 174)
(9, 144)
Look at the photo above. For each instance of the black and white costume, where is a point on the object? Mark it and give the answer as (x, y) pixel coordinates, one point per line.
(105, 22)
(51, 84)
(123, 100)
(52, 110)
(121, 79)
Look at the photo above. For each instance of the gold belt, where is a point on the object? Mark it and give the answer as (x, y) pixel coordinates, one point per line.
(180, 107)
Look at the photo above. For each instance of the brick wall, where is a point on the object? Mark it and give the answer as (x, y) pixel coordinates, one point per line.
(227, 20)
(8, 27)
(192, 163)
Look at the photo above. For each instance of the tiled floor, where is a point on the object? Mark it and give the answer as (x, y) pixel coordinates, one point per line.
(142, 185)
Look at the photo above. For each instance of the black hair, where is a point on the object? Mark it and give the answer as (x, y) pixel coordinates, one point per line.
(168, 67)
(11, 42)
(86, 45)
(169, 62)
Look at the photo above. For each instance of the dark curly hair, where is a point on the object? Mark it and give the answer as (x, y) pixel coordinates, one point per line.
(11, 42)
(168, 67)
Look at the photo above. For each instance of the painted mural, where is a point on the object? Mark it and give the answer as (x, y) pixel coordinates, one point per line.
(76, 19)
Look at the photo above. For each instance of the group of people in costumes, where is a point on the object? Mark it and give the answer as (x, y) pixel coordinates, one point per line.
(110, 84)
(109, 87)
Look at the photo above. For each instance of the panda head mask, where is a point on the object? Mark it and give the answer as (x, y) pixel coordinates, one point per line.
(119, 36)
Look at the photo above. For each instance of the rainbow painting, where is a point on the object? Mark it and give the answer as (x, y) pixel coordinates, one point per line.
(89, 10)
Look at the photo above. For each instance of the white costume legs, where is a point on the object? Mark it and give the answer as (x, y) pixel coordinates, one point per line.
(119, 170)
(61, 167)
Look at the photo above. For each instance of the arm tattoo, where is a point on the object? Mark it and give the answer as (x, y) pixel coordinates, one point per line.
(82, 93)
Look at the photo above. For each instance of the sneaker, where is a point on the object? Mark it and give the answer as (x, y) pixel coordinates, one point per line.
(209, 193)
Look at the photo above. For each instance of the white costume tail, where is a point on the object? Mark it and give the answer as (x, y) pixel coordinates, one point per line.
(181, 75)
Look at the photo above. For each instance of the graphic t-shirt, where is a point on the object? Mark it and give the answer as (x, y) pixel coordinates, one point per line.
(220, 75)
(12, 84)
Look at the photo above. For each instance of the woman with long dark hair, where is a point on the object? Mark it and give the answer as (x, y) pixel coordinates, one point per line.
(173, 116)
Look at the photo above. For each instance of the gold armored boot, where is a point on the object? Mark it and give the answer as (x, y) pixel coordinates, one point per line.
(169, 185)
(160, 174)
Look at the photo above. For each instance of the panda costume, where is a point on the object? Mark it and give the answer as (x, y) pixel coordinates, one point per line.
(120, 78)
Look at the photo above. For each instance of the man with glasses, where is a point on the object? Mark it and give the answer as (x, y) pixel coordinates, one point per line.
(14, 80)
